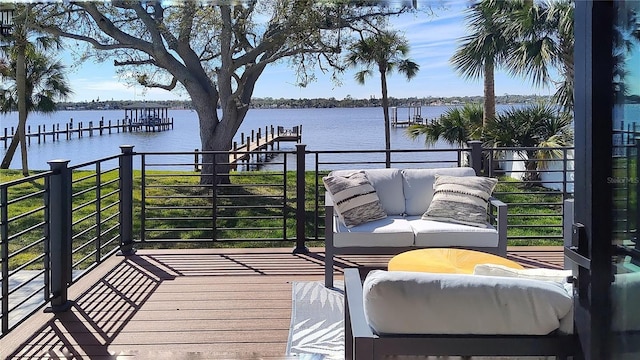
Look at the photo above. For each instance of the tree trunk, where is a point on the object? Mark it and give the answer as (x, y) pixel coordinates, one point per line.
(532, 176)
(8, 156)
(385, 110)
(489, 93)
(216, 136)
(21, 87)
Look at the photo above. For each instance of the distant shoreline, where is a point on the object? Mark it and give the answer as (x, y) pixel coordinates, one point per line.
(270, 103)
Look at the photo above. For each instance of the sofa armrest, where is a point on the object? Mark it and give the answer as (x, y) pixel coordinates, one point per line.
(328, 240)
(500, 217)
(358, 333)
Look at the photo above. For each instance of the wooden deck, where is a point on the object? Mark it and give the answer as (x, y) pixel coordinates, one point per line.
(189, 304)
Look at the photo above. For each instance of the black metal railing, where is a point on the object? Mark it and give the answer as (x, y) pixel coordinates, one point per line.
(59, 224)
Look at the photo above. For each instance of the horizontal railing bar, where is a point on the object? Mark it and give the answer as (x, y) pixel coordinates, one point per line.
(277, 206)
(90, 255)
(94, 162)
(108, 218)
(249, 228)
(84, 191)
(179, 197)
(26, 197)
(105, 208)
(89, 216)
(109, 229)
(81, 233)
(538, 203)
(178, 186)
(26, 298)
(29, 246)
(84, 205)
(27, 230)
(28, 179)
(24, 283)
(90, 176)
(179, 207)
(186, 241)
(28, 263)
(25, 214)
(111, 193)
(176, 174)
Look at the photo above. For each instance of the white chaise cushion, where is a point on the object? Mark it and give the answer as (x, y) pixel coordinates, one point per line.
(418, 186)
(430, 233)
(391, 231)
(397, 302)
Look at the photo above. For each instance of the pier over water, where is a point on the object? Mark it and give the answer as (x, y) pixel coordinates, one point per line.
(148, 117)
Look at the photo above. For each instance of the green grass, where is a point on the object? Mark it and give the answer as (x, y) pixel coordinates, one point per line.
(531, 220)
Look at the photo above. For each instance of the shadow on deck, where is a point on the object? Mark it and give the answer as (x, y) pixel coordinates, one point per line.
(190, 304)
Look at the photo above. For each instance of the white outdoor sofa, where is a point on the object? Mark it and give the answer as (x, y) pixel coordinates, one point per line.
(405, 195)
(404, 313)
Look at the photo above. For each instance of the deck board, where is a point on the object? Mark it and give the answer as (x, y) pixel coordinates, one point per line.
(190, 304)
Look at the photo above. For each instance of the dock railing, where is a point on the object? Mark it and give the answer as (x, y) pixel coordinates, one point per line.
(57, 225)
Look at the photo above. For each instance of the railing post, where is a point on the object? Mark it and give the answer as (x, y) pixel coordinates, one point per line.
(4, 257)
(126, 201)
(60, 232)
(301, 248)
(476, 156)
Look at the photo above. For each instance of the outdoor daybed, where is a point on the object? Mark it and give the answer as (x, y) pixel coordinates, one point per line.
(413, 313)
(388, 211)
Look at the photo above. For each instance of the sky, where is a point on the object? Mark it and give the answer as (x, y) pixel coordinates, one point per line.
(432, 39)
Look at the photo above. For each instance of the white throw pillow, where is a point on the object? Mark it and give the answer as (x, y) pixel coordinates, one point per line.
(559, 276)
(461, 199)
(354, 199)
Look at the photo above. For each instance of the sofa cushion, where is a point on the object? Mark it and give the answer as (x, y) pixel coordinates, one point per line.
(461, 199)
(388, 185)
(397, 302)
(355, 199)
(555, 275)
(418, 186)
(388, 232)
(429, 233)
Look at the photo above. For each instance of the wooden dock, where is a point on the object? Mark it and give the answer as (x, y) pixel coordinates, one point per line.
(253, 147)
(71, 130)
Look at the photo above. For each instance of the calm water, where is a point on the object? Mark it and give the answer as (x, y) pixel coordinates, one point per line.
(322, 129)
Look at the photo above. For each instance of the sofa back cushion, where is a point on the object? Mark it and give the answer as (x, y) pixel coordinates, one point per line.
(418, 186)
(388, 185)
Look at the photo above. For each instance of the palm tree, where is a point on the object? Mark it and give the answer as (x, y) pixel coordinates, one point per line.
(456, 126)
(485, 48)
(386, 50)
(45, 83)
(543, 34)
(31, 72)
(536, 126)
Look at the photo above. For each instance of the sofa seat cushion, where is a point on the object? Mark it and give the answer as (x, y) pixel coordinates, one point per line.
(418, 186)
(397, 302)
(390, 231)
(430, 233)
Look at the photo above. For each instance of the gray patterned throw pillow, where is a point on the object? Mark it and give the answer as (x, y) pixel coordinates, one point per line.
(354, 198)
(461, 199)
